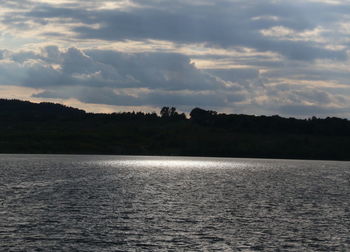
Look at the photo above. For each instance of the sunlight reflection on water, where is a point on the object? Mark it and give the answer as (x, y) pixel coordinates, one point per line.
(168, 163)
(123, 203)
(171, 163)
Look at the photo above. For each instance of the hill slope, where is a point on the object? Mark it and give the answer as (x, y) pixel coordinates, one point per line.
(52, 128)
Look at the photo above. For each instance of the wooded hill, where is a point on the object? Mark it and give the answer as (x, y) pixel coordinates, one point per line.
(27, 127)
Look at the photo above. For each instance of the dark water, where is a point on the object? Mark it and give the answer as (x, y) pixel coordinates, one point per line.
(111, 203)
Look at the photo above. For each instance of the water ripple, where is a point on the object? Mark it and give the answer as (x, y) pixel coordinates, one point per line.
(109, 203)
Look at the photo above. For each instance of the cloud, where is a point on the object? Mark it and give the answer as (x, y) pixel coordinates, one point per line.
(157, 79)
(114, 78)
(268, 56)
(157, 98)
(52, 67)
(310, 110)
(225, 24)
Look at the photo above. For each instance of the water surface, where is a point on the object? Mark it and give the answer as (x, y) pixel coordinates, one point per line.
(123, 203)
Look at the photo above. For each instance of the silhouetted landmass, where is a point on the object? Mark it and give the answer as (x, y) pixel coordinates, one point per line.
(27, 127)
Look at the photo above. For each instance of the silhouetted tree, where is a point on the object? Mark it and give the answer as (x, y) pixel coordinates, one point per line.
(171, 113)
(202, 116)
(165, 112)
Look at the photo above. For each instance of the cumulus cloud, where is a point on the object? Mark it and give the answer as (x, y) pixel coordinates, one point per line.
(114, 78)
(101, 68)
(158, 79)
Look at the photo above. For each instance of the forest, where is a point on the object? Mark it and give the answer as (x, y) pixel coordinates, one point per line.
(50, 128)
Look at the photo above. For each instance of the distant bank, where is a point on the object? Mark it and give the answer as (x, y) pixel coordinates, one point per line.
(53, 128)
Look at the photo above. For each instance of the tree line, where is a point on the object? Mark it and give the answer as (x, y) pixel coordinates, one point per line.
(27, 127)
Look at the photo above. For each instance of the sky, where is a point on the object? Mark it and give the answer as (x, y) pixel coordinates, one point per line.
(262, 57)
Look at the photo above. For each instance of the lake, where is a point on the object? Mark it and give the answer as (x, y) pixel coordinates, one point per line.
(127, 203)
